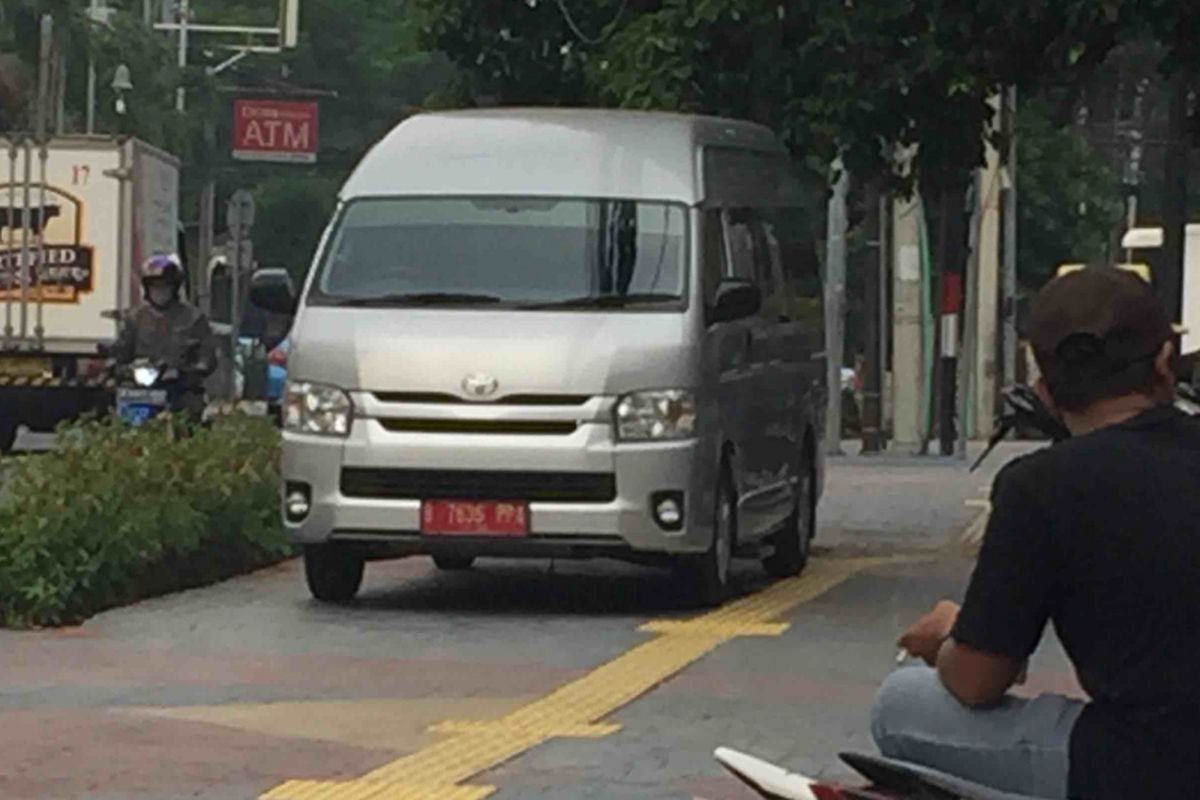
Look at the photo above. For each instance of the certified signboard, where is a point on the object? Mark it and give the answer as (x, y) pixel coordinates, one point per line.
(61, 269)
(275, 130)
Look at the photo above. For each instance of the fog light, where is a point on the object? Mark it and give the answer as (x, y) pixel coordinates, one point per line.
(296, 502)
(668, 510)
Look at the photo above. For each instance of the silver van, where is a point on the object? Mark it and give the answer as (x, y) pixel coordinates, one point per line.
(558, 333)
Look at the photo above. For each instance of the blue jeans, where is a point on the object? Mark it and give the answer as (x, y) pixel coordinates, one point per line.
(1020, 746)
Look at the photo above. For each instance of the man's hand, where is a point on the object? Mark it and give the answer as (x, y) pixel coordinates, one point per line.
(925, 637)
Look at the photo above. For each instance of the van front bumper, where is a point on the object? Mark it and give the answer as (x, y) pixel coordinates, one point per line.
(369, 488)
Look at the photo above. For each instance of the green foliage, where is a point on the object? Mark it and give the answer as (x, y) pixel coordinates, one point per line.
(362, 55)
(150, 114)
(119, 514)
(856, 78)
(517, 52)
(292, 213)
(1069, 199)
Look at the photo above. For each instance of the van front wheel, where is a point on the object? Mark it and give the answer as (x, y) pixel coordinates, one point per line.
(793, 541)
(708, 574)
(334, 574)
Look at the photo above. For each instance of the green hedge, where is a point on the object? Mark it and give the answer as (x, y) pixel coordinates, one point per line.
(115, 515)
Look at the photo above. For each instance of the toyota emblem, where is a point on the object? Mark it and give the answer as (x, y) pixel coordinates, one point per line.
(478, 386)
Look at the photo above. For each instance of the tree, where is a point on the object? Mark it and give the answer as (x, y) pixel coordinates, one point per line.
(1069, 197)
(855, 78)
(294, 209)
(359, 59)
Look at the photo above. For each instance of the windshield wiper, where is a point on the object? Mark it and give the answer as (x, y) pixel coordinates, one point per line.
(605, 301)
(417, 299)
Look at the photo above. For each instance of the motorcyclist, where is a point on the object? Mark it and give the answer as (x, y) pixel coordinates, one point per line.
(1098, 534)
(169, 332)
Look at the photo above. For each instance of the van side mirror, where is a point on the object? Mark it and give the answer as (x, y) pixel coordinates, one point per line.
(735, 299)
(271, 289)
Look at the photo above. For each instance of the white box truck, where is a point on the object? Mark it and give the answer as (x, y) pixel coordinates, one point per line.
(75, 217)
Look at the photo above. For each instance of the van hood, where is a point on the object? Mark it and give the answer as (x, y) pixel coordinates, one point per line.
(525, 352)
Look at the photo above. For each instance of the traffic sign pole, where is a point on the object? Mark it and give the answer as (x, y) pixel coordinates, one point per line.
(240, 219)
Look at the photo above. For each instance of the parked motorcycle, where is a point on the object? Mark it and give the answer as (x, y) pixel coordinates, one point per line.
(1024, 410)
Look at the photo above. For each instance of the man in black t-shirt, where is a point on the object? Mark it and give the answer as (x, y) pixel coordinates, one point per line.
(1101, 536)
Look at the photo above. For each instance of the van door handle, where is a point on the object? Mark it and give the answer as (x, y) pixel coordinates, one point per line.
(819, 354)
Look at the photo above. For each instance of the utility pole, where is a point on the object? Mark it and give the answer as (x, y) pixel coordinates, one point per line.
(41, 137)
(885, 305)
(907, 378)
(943, 333)
(181, 93)
(1009, 304)
(872, 393)
(966, 377)
(98, 14)
(988, 260)
(207, 216)
(90, 127)
(60, 93)
(835, 306)
(906, 326)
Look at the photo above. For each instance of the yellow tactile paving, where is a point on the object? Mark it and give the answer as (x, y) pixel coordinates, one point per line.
(400, 725)
(440, 771)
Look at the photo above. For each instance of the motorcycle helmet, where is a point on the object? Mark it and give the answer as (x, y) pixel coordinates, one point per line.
(162, 278)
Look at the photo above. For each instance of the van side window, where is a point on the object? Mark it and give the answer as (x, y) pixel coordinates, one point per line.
(799, 253)
(739, 227)
(776, 294)
(715, 266)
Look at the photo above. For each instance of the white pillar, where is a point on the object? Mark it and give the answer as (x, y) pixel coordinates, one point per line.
(907, 379)
(1010, 248)
(835, 307)
(989, 291)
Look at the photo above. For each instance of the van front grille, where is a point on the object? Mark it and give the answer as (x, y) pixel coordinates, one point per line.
(516, 427)
(438, 398)
(421, 484)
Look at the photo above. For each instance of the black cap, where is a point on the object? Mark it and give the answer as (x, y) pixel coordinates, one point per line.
(1098, 320)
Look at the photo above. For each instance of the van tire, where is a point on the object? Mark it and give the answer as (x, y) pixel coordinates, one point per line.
(333, 572)
(708, 574)
(453, 563)
(8, 437)
(793, 541)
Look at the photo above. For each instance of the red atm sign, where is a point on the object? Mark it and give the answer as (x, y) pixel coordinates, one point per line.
(275, 130)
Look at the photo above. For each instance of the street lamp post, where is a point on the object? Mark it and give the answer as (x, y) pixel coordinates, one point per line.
(181, 92)
(98, 14)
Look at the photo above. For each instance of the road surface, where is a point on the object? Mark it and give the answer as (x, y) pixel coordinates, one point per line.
(514, 680)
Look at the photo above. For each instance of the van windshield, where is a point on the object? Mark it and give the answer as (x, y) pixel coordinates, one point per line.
(534, 253)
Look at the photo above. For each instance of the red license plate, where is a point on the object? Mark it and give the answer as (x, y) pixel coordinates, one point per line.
(469, 518)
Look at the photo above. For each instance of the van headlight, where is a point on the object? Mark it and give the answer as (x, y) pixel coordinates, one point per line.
(656, 415)
(317, 409)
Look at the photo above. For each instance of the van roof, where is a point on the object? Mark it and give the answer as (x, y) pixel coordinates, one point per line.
(550, 152)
